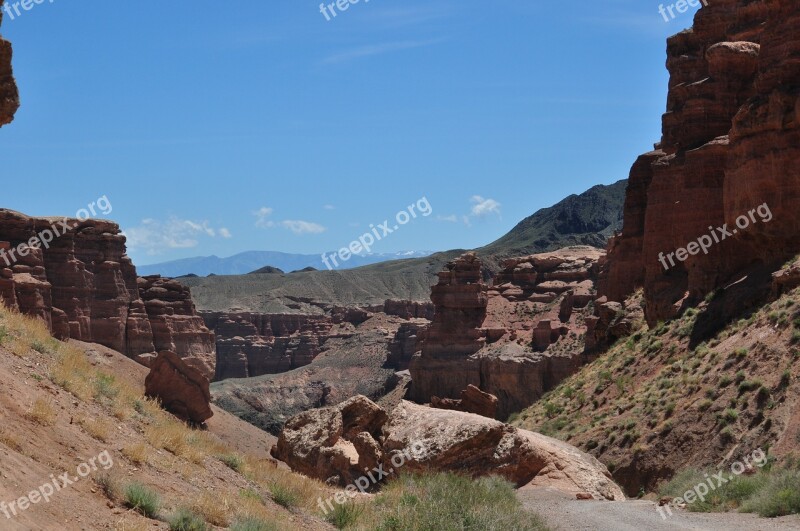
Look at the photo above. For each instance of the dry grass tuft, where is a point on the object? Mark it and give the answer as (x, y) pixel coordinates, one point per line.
(138, 453)
(42, 412)
(97, 428)
(215, 509)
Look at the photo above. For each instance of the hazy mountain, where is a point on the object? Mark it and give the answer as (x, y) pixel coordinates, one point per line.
(249, 261)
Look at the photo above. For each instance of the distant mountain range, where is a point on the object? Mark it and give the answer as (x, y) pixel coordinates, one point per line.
(589, 218)
(250, 261)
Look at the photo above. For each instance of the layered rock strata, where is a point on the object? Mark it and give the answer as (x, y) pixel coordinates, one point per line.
(515, 339)
(84, 286)
(255, 344)
(730, 143)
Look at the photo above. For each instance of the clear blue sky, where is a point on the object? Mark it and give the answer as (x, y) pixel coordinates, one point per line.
(219, 127)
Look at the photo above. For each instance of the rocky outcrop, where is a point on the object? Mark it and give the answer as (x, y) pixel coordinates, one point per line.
(730, 144)
(341, 444)
(181, 389)
(9, 96)
(255, 344)
(472, 400)
(515, 339)
(405, 344)
(175, 323)
(84, 286)
(335, 444)
(409, 309)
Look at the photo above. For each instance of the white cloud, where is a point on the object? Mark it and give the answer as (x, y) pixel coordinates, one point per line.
(155, 236)
(302, 227)
(329, 207)
(261, 218)
(452, 218)
(482, 207)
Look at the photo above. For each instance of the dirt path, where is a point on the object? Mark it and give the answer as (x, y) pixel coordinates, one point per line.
(563, 513)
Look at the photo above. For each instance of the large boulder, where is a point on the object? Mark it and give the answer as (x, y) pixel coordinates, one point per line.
(476, 446)
(335, 444)
(343, 443)
(182, 390)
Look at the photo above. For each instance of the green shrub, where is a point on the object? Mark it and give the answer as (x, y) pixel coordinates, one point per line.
(284, 496)
(448, 502)
(142, 499)
(779, 497)
(186, 520)
(233, 461)
(344, 515)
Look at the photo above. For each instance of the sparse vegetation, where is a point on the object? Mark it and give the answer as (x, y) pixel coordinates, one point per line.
(186, 520)
(42, 412)
(447, 502)
(769, 493)
(142, 499)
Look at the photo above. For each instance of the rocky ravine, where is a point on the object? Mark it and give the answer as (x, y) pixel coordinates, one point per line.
(731, 142)
(85, 287)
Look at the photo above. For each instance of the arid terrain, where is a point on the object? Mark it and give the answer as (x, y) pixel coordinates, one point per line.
(628, 358)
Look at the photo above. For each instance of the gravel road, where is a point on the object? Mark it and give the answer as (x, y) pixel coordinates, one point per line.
(564, 513)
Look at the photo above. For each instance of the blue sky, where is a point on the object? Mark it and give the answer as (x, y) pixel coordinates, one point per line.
(220, 127)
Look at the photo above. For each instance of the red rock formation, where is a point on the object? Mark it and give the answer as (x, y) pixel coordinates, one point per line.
(409, 309)
(472, 400)
(176, 325)
(84, 286)
(182, 390)
(516, 339)
(9, 97)
(731, 142)
(254, 344)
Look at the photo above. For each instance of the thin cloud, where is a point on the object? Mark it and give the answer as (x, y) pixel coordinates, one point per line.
(302, 227)
(377, 49)
(262, 215)
(155, 236)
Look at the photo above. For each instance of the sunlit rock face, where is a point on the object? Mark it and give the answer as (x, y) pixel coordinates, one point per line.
(731, 143)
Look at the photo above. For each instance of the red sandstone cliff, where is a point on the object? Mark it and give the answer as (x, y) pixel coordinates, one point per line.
(9, 97)
(731, 142)
(84, 287)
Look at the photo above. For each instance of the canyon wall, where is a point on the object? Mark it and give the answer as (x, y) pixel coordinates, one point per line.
(84, 286)
(730, 143)
(254, 344)
(9, 97)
